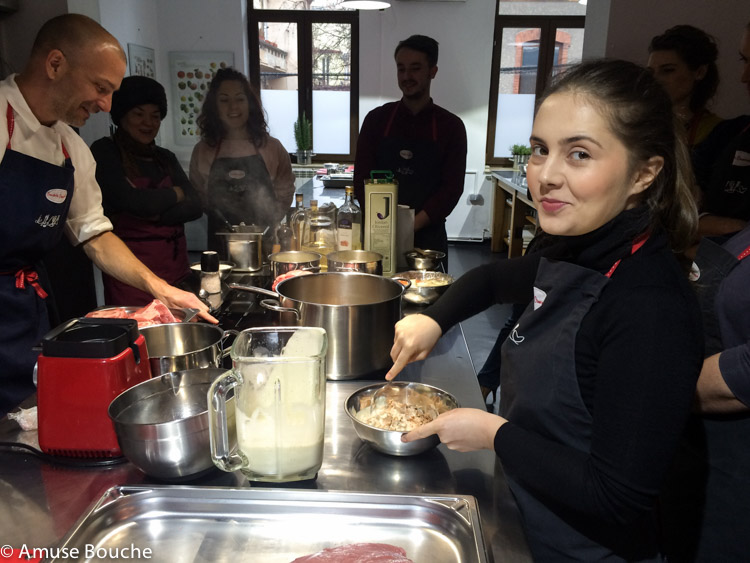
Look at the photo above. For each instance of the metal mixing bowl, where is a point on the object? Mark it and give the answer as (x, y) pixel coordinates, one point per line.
(389, 441)
(162, 424)
(424, 259)
(418, 294)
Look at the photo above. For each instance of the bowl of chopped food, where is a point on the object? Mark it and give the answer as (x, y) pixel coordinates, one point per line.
(426, 286)
(382, 412)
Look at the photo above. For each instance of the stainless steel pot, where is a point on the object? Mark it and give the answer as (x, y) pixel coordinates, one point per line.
(182, 346)
(290, 260)
(363, 261)
(358, 312)
(245, 246)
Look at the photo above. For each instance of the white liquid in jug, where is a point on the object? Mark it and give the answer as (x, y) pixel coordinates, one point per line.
(300, 449)
(281, 413)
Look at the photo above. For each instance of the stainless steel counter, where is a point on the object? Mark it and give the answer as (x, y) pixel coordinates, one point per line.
(39, 501)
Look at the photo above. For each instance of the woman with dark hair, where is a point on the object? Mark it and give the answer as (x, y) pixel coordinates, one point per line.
(598, 374)
(243, 174)
(683, 60)
(145, 192)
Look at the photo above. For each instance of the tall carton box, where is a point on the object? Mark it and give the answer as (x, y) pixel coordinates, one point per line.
(381, 210)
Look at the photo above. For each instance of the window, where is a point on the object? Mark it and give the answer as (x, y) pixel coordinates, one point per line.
(304, 58)
(528, 51)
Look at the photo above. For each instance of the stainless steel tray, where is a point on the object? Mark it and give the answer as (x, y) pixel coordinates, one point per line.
(180, 524)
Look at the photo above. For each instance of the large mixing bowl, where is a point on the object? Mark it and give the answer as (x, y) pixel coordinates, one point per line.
(389, 441)
(162, 424)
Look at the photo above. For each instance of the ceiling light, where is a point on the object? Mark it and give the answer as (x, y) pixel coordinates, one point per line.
(365, 4)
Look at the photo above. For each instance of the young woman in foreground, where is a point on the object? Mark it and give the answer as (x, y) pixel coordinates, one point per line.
(599, 374)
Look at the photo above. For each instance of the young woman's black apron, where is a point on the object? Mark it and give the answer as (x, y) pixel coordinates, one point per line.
(416, 165)
(240, 189)
(540, 392)
(34, 201)
(708, 491)
(729, 192)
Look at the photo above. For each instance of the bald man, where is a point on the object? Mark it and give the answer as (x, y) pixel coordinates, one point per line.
(47, 186)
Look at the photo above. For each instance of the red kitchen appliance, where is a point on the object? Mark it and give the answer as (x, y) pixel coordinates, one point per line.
(85, 363)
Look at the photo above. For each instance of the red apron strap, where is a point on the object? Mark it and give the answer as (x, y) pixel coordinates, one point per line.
(390, 120)
(30, 276)
(638, 243)
(744, 254)
(11, 123)
(11, 120)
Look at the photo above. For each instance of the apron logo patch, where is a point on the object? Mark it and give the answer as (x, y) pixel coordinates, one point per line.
(406, 154)
(48, 221)
(741, 158)
(734, 186)
(236, 174)
(515, 337)
(539, 297)
(695, 273)
(56, 195)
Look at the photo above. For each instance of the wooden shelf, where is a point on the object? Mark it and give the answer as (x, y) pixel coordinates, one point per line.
(510, 216)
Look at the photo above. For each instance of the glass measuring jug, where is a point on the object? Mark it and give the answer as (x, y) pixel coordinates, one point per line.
(279, 382)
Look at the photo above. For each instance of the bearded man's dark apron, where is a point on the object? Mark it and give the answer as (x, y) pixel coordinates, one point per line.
(416, 166)
(34, 201)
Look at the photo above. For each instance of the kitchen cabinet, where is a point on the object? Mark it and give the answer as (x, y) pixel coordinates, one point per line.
(512, 213)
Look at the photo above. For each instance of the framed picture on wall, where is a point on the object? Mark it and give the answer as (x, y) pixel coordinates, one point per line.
(141, 61)
(190, 73)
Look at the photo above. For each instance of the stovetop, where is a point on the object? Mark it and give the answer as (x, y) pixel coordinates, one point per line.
(241, 309)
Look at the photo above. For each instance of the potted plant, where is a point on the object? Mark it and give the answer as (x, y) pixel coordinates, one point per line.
(520, 154)
(303, 138)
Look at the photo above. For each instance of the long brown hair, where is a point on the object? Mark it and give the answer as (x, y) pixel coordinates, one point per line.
(212, 129)
(640, 115)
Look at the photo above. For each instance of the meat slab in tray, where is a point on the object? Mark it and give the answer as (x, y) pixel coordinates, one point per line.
(180, 524)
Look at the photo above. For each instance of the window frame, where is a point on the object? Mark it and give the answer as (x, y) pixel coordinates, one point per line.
(305, 20)
(548, 26)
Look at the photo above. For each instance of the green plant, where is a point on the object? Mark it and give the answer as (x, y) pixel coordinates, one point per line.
(520, 149)
(303, 133)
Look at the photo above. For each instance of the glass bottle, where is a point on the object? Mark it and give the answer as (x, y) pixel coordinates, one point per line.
(319, 233)
(285, 234)
(349, 223)
(297, 221)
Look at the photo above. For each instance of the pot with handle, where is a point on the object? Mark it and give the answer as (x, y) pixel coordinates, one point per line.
(363, 261)
(290, 260)
(182, 346)
(358, 312)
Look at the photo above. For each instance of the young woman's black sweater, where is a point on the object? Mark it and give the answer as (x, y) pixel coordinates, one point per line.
(638, 355)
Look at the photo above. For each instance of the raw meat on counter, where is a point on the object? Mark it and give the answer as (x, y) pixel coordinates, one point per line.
(358, 553)
(288, 275)
(154, 313)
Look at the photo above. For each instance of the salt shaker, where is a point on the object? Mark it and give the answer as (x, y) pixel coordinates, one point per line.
(210, 279)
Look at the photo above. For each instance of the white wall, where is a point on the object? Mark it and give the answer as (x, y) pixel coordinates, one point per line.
(464, 31)
(724, 19)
